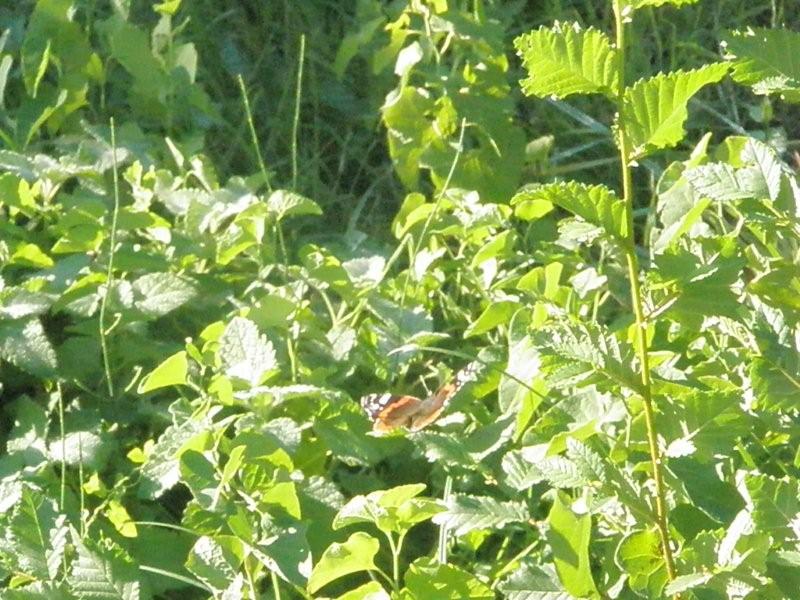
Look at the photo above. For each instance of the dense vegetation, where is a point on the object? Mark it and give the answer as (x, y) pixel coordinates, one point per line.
(222, 224)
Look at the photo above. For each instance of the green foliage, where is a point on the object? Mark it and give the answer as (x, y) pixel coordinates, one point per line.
(632, 343)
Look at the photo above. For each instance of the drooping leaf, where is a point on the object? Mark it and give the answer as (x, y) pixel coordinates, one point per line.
(565, 60)
(569, 536)
(765, 60)
(655, 109)
(595, 204)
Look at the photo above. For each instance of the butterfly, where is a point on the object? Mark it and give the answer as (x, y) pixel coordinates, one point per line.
(389, 411)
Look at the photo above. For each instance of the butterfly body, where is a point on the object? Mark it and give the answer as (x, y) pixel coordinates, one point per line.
(390, 411)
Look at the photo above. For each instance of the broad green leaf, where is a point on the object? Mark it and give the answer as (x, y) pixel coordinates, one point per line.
(776, 385)
(393, 510)
(427, 579)
(468, 513)
(595, 204)
(655, 109)
(103, 571)
(717, 498)
(776, 504)
(172, 371)
(161, 469)
(765, 60)
(199, 474)
(368, 591)
(283, 203)
(35, 536)
(245, 353)
(531, 582)
(569, 535)
(18, 303)
(496, 314)
(121, 519)
(157, 294)
(354, 555)
(639, 555)
(565, 60)
(216, 560)
(24, 344)
(284, 550)
(82, 447)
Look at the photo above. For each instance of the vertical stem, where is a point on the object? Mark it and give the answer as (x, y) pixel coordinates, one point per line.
(110, 271)
(636, 300)
(296, 122)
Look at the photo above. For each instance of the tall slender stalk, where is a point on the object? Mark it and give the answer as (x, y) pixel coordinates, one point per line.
(636, 300)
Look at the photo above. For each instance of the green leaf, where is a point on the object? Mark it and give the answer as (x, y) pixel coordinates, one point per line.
(284, 550)
(655, 109)
(35, 536)
(565, 60)
(25, 345)
(245, 353)
(283, 203)
(468, 513)
(216, 561)
(776, 385)
(103, 571)
(393, 510)
(354, 555)
(765, 60)
(161, 469)
(639, 555)
(18, 303)
(427, 579)
(157, 294)
(637, 4)
(595, 204)
(569, 537)
(494, 315)
(776, 504)
(172, 371)
(368, 591)
(530, 582)
(199, 474)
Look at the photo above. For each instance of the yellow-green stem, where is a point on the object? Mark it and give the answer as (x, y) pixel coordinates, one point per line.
(636, 300)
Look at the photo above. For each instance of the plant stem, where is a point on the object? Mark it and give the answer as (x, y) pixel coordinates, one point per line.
(636, 300)
(110, 271)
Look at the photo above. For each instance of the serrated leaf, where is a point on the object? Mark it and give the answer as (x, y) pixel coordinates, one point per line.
(595, 204)
(564, 60)
(354, 555)
(655, 109)
(103, 572)
(569, 537)
(532, 582)
(776, 505)
(589, 463)
(468, 513)
(18, 303)
(161, 469)
(766, 60)
(25, 345)
(157, 294)
(562, 472)
(582, 354)
(245, 353)
(35, 536)
(215, 561)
